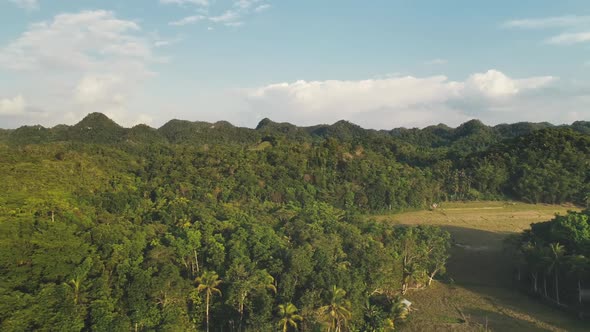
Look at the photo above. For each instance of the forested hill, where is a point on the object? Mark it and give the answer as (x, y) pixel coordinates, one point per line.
(207, 226)
(344, 164)
(98, 128)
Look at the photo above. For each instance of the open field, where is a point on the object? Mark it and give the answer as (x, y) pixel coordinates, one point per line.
(481, 293)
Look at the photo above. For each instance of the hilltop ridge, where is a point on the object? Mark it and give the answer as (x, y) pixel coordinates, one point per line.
(98, 128)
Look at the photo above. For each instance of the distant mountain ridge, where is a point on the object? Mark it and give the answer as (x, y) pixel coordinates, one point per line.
(99, 129)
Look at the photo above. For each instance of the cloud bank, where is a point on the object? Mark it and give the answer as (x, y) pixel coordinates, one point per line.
(575, 29)
(13, 106)
(566, 21)
(232, 16)
(400, 101)
(26, 4)
(94, 61)
(81, 62)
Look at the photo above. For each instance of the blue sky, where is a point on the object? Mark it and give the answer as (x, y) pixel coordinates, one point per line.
(381, 64)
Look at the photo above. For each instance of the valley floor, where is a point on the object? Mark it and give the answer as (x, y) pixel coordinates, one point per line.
(479, 294)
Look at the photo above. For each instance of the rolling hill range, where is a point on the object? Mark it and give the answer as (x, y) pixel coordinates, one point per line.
(198, 224)
(98, 128)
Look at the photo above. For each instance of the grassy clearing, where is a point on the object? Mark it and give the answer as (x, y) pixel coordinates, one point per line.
(480, 295)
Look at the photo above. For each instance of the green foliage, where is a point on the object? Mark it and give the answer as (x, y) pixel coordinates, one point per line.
(107, 228)
(558, 249)
(547, 166)
(288, 317)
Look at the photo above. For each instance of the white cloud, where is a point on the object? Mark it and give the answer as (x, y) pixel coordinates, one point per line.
(231, 16)
(227, 17)
(245, 4)
(82, 62)
(234, 24)
(576, 29)
(494, 84)
(570, 38)
(76, 41)
(101, 89)
(13, 106)
(390, 102)
(434, 62)
(188, 20)
(203, 3)
(26, 4)
(549, 22)
(166, 42)
(262, 8)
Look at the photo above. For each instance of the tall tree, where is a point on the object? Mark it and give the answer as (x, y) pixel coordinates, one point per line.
(244, 282)
(555, 256)
(578, 265)
(338, 312)
(534, 257)
(208, 283)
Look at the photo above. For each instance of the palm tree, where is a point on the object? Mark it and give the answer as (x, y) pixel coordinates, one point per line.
(399, 312)
(289, 316)
(534, 257)
(411, 273)
(578, 265)
(337, 313)
(208, 283)
(555, 257)
(75, 285)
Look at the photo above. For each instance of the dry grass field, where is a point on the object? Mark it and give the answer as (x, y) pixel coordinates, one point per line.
(479, 294)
